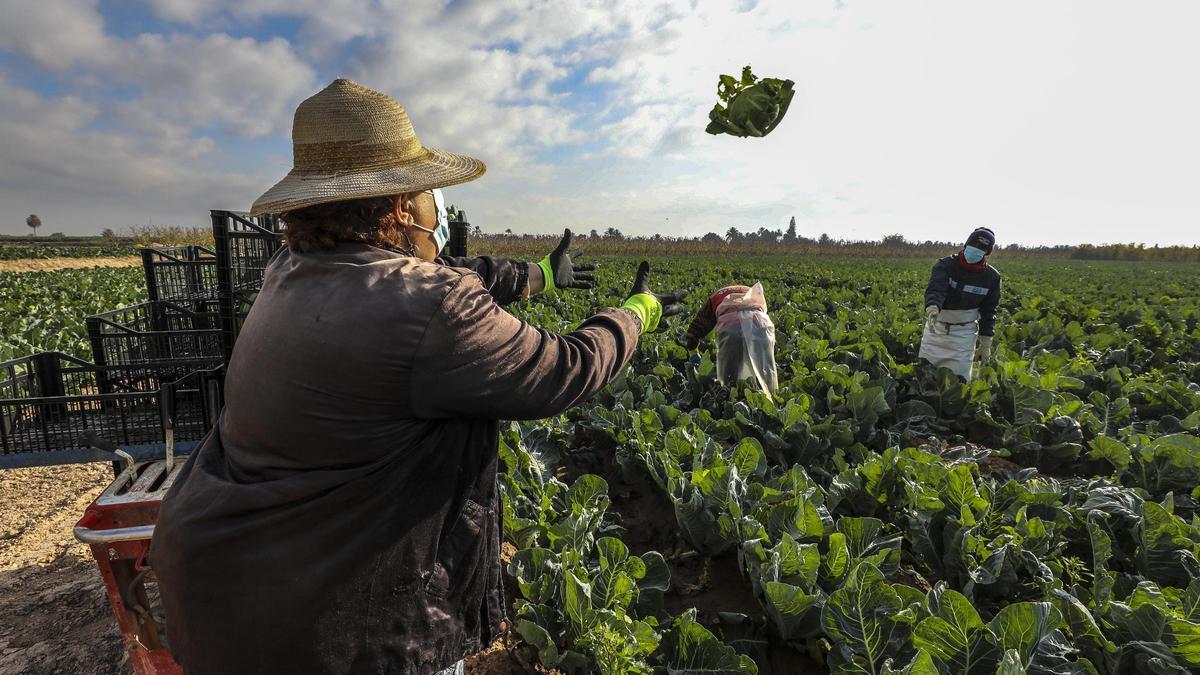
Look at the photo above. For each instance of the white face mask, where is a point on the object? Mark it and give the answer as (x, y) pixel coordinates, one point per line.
(441, 234)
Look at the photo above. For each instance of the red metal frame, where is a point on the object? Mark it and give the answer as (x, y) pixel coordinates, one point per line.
(125, 572)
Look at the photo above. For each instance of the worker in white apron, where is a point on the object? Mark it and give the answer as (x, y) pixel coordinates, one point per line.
(745, 336)
(960, 307)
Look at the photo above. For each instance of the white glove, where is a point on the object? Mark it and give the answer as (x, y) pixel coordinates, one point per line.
(983, 352)
(931, 315)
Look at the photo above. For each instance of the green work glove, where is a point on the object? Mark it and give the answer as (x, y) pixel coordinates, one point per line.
(649, 306)
(931, 314)
(983, 352)
(559, 271)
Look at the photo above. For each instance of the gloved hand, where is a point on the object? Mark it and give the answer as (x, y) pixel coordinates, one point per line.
(983, 352)
(931, 314)
(695, 359)
(649, 306)
(559, 271)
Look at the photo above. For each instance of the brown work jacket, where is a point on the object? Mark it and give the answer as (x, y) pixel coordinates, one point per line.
(343, 516)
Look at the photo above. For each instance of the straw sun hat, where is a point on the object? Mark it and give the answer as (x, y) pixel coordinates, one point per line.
(350, 142)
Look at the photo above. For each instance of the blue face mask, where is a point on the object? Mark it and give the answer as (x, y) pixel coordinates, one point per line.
(973, 255)
(441, 233)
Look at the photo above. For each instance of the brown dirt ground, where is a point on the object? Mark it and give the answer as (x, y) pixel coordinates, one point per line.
(51, 264)
(54, 614)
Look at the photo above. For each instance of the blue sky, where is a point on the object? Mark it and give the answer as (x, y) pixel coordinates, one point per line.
(1057, 122)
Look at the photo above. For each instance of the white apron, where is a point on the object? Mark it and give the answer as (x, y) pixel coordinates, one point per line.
(746, 340)
(950, 340)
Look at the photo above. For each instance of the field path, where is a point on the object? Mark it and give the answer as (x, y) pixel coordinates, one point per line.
(52, 264)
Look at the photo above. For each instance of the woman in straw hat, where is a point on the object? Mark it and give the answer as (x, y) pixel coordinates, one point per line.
(343, 515)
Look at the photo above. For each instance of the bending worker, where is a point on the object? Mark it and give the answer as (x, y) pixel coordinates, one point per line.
(745, 335)
(960, 303)
(343, 515)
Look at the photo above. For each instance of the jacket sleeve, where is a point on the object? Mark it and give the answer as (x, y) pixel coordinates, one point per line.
(987, 310)
(702, 324)
(477, 360)
(939, 283)
(505, 279)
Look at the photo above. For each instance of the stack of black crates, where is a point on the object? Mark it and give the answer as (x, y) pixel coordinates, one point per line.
(157, 365)
(49, 401)
(175, 332)
(244, 246)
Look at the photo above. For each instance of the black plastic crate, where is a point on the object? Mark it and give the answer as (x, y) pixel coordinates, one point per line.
(244, 247)
(180, 273)
(49, 400)
(460, 229)
(166, 339)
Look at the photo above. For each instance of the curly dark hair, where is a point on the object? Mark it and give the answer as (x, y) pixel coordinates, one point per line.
(322, 226)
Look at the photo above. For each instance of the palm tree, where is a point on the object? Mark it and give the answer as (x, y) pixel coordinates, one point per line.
(33, 222)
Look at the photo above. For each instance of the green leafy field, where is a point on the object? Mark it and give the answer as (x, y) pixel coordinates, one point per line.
(876, 517)
(43, 252)
(44, 311)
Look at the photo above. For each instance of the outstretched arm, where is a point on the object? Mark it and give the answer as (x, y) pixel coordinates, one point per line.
(509, 280)
(506, 280)
(702, 324)
(477, 360)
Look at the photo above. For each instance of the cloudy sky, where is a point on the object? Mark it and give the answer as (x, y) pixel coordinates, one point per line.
(1056, 121)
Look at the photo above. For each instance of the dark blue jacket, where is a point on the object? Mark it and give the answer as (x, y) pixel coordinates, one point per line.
(953, 286)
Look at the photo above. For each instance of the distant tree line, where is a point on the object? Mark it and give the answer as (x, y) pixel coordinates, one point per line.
(143, 235)
(611, 241)
(786, 242)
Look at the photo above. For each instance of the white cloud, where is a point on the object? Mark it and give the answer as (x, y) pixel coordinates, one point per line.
(90, 159)
(1052, 122)
(23, 107)
(244, 86)
(477, 76)
(652, 130)
(472, 89)
(80, 180)
(182, 11)
(247, 87)
(56, 35)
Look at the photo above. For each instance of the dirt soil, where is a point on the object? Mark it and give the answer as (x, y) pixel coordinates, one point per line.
(54, 614)
(710, 585)
(51, 264)
(507, 656)
(647, 516)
